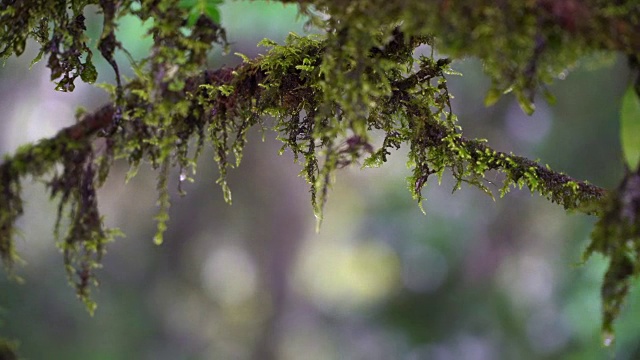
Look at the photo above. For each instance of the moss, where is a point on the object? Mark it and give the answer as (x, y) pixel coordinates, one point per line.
(324, 96)
(524, 45)
(616, 235)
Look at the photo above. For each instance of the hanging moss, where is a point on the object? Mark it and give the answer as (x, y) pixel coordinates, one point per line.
(324, 95)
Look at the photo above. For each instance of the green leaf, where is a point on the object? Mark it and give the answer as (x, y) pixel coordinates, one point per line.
(199, 7)
(187, 4)
(89, 73)
(525, 104)
(245, 58)
(630, 128)
(211, 10)
(373, 161)
(492, 97)
(36, 59)
(19, 45)
(267, 43)
(194, 14)
(551, 99)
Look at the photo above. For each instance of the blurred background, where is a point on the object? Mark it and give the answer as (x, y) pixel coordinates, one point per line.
(472, 279)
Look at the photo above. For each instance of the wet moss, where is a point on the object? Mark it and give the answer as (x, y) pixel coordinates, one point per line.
(324, 95)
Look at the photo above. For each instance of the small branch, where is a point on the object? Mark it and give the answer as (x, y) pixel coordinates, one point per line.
(90, 124)
(556, 186)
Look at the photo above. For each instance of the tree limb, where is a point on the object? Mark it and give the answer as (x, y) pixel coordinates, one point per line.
(556, 186)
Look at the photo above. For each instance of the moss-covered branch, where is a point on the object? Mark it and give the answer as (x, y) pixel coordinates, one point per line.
(327, 97)
(408, 104)
(223, 104)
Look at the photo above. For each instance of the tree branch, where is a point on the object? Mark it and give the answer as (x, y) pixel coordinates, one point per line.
(326, 97)
(556, 186)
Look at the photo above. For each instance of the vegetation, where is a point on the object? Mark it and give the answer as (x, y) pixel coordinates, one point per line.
(326, 96)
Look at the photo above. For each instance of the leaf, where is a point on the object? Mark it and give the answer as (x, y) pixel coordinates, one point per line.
(630, 128)
(267, 43)
(199, 7)
(245, 58)
(373, 161)
(525, 104)
(492, 97)
(89, 74)
(551, 99)
(19, 45)
(194, 14)
(187, 4)
(211, 10)
(36, 59)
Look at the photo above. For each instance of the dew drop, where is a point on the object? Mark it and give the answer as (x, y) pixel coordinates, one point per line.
(183, 175)
(608, 338)
(563, 74)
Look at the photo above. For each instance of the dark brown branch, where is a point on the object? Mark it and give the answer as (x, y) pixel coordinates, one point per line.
(90, 124)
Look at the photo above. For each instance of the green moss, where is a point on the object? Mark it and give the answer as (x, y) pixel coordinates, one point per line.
(616, 235)
(323, 95)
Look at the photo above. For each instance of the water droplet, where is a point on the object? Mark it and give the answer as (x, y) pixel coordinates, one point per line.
(183, 175)
(608, 338)
(563, 74)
